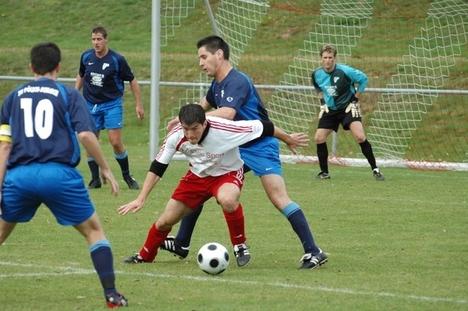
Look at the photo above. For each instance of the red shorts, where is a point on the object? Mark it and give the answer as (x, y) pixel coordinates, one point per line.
(193, 191)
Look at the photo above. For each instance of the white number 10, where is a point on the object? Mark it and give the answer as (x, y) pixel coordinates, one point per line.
(43, 118)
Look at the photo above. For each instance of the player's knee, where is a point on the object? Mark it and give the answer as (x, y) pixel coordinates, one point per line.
(320, 139)
(360, 139)
(163, 225)
(117, 146)
(229, 204)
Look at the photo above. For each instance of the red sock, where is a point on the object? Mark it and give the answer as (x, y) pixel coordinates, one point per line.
(235, 222)
(154, 239)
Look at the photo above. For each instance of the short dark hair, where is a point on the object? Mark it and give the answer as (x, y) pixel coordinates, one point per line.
(329, 48)
(214, 43)
(191, 114)
(45, 57)
(101, 30)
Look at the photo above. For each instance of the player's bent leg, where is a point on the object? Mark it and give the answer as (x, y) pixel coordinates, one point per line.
(179, 245)
(228, 197)
(275, 188)
(5, 229)
(102, 258)
(91, 229)
(159, 231)
(357, 130)
(236, 224)
(321, 136)
(121, 156)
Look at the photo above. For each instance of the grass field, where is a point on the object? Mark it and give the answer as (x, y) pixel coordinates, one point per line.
(393, 245)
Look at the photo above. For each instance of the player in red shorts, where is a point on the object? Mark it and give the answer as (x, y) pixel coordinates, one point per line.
(211, 146)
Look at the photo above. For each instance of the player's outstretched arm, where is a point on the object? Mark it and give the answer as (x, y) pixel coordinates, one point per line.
(89, 141)
(134, 206)
(293, 140)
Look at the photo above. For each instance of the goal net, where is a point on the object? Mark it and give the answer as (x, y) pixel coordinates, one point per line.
(403, 103)
(172, 12)
(413, 101)
(294, 105)
(236, 22)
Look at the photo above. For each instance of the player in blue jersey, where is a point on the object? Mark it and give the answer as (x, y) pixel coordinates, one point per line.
(102, 74)
(339, 100)
(233, 95)
(41, 123)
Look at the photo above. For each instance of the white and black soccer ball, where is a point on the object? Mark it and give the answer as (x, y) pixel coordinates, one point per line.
(213, 258)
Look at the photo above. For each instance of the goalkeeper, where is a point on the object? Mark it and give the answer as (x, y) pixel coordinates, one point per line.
(339, 101)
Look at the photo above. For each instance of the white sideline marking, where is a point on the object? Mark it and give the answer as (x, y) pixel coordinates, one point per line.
(79, 271)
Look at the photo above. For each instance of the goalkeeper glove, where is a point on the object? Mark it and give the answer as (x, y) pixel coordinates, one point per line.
(323, 108)
(354, 107)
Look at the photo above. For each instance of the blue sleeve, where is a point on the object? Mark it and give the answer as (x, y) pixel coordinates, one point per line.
(356, 76)
(236, 93)
(126, 73)
(83, 59)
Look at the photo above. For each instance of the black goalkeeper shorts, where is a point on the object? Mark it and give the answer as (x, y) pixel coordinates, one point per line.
(334, 118)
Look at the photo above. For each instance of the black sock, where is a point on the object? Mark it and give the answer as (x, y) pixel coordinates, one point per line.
(366, 149)
(322, 154)
(122, 159)
(301, 227)
(94, 168)
(187, 225)
(103, 262)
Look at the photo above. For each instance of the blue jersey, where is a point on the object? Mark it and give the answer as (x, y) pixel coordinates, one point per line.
(237, 91)
(104, 77)
(338, 87)
(44, 117)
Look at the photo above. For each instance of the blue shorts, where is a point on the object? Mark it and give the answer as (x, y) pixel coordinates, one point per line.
(60, 187)
(108, 115)
(262, 157)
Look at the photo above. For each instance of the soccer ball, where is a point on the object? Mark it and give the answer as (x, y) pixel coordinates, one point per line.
(213, 258)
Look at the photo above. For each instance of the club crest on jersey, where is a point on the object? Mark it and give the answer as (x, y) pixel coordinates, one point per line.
(97, 79)
(331, 90)
(229, 99)
(105, 65)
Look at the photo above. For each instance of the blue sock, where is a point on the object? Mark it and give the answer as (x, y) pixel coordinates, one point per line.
(101, 254)
(299, 223)
(187, 225)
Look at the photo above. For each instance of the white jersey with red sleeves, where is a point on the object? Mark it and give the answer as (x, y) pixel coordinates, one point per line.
(218, 152)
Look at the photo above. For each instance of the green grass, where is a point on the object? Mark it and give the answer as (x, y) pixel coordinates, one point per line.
(393, 245)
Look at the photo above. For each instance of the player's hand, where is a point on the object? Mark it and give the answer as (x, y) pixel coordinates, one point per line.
(132, 207)
(297, 140)
(107, 176)
(171, 124)
(323, 108)
(355, 108)
(140, 112)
